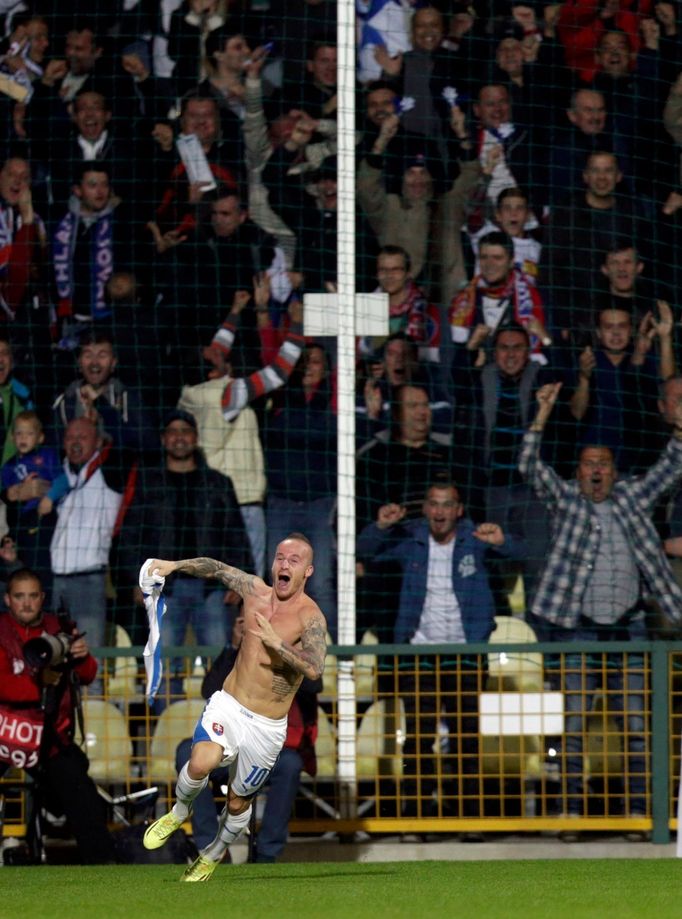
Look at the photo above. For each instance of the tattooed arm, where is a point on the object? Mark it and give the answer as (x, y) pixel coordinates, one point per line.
(309, 658)
(209, 568)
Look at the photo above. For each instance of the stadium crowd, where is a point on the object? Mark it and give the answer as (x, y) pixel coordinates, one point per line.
(168, 194)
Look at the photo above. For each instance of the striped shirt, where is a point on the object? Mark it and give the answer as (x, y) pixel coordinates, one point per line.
(238, 393)
(576, 533)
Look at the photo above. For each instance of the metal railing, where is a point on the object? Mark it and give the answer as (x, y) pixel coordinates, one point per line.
(447, 738)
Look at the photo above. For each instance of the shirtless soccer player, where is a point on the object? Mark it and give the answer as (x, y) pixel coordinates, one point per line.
(244, 725)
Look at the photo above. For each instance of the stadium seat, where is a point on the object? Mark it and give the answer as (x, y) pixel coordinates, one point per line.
(122, 681)
(107, 741)
(325, 746)
(364, 670)
(366, 667)
(517, 598)
(175, 723)
(380, 740)
(329, 675)
(515, 755)
(517, 670)
(191, 685)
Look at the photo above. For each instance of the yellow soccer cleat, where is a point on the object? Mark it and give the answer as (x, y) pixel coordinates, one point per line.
(161, 830)
(201, 869)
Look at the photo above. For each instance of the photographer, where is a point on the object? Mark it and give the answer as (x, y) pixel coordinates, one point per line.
(37, 703)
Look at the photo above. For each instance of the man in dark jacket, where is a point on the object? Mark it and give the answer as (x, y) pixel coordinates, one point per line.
(445, 598)
(231, 250)
(99, 394)
(186, 510)
(494, 405)
(393, 468)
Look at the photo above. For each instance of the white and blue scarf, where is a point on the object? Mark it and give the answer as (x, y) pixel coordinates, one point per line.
(151, 586)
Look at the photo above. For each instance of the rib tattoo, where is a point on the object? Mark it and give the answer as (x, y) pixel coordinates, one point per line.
(285, 681)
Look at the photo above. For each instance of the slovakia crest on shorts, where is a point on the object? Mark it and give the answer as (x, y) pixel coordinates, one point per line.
(217, 729)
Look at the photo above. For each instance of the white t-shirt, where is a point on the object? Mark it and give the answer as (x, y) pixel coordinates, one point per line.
(441, 618)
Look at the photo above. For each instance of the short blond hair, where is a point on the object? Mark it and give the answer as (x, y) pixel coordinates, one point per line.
(28, 415)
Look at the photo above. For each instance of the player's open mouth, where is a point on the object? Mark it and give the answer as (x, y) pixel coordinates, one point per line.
(283, 580)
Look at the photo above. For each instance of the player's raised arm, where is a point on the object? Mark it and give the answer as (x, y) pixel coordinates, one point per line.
(211, 569)
(309, 658)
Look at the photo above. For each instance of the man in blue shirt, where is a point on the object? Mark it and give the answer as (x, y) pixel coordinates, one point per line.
(445, 598)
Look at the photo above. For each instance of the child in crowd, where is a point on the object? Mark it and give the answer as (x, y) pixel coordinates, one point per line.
(32, 460)
(513, 215)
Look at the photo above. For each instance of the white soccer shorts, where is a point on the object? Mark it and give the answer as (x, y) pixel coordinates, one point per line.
(251, 743)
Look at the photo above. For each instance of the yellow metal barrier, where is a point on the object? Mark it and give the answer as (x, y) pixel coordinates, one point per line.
(497, 738)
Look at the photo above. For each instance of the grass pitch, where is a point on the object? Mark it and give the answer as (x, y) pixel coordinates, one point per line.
(575, 889)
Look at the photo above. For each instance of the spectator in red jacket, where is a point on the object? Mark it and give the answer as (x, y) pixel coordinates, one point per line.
(37, 701)
(583, 22)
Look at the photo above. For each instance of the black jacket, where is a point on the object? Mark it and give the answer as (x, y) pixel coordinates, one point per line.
(149, 530)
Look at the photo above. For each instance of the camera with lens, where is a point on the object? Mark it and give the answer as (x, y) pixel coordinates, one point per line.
(51, 650)
(48, 650)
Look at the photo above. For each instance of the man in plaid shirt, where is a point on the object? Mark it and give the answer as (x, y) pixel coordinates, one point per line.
(604, 554)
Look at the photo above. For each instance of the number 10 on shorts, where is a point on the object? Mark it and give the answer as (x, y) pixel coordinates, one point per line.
(257, 776)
